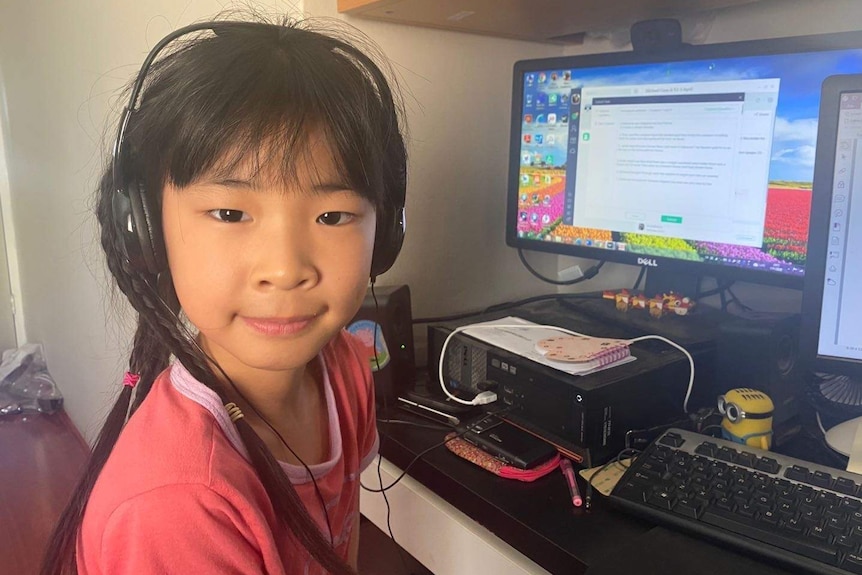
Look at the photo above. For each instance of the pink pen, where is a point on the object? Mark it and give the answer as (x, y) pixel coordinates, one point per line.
(569, 474)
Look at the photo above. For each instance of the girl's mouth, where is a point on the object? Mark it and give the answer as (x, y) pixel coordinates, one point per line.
(278, 325)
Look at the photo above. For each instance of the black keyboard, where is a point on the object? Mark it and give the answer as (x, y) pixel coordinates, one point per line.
(801, 514)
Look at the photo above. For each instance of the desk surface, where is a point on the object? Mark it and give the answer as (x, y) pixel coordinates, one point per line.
(538, 520)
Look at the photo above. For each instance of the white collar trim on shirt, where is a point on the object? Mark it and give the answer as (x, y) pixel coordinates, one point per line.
(194, 390)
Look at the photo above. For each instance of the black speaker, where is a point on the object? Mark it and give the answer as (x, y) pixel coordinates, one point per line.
(659, 35)
(385, 328)
(761, 351)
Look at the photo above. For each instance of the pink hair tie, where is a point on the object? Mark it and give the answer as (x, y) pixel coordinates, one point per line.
(131, 379)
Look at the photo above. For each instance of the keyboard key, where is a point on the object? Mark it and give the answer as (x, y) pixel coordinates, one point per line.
(846, 486)
(672, 439)
(852, 563)
(797, 473)
(768, 465)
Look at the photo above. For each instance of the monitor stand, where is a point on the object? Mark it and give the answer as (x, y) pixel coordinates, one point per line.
(840, 438)
(844, 391)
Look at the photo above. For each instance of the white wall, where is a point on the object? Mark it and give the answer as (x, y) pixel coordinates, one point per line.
(62, 63)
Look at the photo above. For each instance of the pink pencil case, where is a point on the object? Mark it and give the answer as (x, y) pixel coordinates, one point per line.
(486, 461)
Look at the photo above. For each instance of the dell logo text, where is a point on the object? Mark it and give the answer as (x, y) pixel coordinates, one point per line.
(647, 262)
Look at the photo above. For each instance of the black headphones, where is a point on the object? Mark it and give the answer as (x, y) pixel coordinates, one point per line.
(137, 216)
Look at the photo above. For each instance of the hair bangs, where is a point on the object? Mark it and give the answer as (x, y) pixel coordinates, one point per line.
(225, 105)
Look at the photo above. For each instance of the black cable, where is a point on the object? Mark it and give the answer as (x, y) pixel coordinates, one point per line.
(413, 461)
(383, 437)
(638, 281)
(197, 346)
(589, 274)
(737, 301)
(430, 449)
(625, 453)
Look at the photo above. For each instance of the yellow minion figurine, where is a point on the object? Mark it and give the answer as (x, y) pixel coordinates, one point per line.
(747, 417)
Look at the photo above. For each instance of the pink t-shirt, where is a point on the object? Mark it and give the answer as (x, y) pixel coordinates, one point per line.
(178, 495)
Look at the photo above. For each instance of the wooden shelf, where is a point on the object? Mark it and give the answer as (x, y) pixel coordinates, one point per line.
(555, 21)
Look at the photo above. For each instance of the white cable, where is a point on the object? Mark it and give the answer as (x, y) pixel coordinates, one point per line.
(820, 423)
(687, 355)
(490, 397)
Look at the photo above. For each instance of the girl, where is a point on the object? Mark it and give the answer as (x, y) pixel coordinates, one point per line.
(257, 182)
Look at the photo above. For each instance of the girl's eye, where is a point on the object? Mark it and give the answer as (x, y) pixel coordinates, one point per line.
(335, 218)
(228, 216)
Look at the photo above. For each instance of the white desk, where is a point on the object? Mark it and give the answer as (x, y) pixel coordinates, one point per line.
(437, 534)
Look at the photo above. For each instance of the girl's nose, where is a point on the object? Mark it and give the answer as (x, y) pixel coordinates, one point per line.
(284, 262)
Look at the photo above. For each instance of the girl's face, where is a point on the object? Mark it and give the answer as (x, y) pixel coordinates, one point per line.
(269, 272)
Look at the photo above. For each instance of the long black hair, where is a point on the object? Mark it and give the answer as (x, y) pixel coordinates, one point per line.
(248, 91)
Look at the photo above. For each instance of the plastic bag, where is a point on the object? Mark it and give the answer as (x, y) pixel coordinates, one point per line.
(25, 384)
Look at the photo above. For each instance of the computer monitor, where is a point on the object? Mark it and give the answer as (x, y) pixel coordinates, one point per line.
(831, 329)
(698, 162)
(831, 339)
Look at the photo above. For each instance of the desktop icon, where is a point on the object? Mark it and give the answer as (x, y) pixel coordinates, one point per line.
(567, 75)
(564, 119)
(540, 139)
(525, 158)
(549, 159)
(546, 219)
(528, 138)
(541, 100)
(552, 99)
(552, 118)
(576, 98)
(553, 76)
(528, 100)
(575, 116)
(525, 179)
(542, 78)
(551, 140)
(586, 136)
(540, 119)
(528, 118)
(531, 78)
(578, 241)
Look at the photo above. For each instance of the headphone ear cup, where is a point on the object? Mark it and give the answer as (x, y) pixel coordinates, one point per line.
(391, 223)
(387, 242)
(148, 225)
(139, 225)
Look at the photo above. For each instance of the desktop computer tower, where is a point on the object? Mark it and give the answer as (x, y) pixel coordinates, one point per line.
(586, 416)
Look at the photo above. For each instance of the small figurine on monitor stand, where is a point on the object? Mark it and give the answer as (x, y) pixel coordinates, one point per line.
(747, 417)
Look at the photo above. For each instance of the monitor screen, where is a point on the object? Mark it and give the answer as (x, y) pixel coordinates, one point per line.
(832, 309)
(699, 161)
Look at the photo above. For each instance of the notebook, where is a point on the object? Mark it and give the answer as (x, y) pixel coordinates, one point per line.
(577, 349)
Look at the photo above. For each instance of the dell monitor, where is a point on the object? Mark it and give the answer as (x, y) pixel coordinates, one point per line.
(696, 162)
